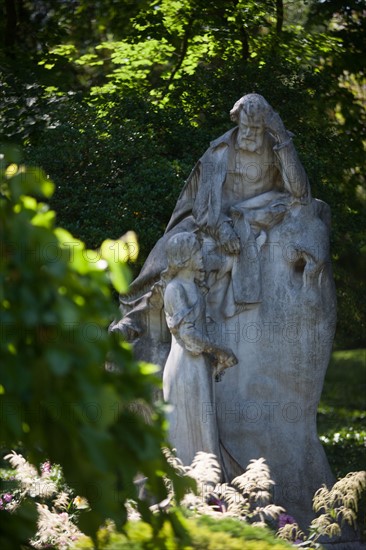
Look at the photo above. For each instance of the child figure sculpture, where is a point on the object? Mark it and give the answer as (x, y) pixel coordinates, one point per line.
(194, 361)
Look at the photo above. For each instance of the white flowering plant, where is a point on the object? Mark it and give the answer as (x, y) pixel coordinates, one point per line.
(57, 506)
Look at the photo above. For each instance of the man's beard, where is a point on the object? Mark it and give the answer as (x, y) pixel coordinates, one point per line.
(250, 145)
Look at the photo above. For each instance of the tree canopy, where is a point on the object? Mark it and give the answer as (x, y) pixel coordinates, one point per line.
(116, 100)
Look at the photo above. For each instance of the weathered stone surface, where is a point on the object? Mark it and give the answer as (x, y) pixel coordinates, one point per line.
(266, 406)
(270, 302)
(188, 379)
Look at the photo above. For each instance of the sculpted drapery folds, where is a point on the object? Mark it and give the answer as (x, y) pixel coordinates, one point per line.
(194, 361)
(269, 302)
(241, 187)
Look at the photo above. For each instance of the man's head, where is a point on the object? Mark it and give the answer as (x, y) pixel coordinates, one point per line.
(254, 105)
(251, 112)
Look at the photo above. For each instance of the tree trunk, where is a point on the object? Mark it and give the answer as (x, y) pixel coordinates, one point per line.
(182, 54)
(244, 43)
(11, 22)
(245, 52)
(279, 12)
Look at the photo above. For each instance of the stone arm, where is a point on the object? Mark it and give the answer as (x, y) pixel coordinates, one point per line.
(185, 321)
(293, 174)
(182, 315)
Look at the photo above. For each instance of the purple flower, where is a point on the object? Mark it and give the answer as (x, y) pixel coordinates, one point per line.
(285, 519)
(216, 503)
(2, 507)
(46, 467)
(8, 497)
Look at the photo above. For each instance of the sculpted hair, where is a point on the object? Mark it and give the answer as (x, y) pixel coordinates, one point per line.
(253, 104)
(179, 250)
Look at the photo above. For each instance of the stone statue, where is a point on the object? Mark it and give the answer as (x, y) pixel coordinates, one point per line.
(194, 361)
(270, 300)
(242, 185)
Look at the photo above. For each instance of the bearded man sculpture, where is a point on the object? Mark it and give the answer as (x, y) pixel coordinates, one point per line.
(270, 300)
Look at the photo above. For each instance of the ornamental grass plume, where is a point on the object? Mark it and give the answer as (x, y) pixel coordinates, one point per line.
(205, 468)
(339, 505)
(250, 495)
(62, 501)
(30, 482)
(26, 474)
(202, 472)
(54, 529)
(255, 483)
(206, 472)
(175, 462)
(289, 530)
(178, 467)
(56, 507)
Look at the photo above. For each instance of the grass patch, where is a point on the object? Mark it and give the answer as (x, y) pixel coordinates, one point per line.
(342, 412)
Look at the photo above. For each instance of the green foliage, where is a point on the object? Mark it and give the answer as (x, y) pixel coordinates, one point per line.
(336, 507)
(17, 529)
(120, 101)
(117, 165)
(204, 533)
(56, 395)
(121, 163)
(342, 411)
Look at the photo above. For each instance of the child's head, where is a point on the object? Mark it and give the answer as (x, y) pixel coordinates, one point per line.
(180, 249)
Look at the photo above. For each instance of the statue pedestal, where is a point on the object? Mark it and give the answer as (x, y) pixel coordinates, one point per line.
(266, 406)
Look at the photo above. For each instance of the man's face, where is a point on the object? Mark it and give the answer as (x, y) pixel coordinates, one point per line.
(251, 132)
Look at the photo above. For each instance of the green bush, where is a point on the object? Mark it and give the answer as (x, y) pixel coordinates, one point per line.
(342, 411)
(204, 533)
(56, 396)
(119, 163)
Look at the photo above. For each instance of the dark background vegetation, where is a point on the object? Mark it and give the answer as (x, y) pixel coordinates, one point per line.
(117, 99)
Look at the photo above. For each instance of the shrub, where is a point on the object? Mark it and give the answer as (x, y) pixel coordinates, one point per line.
(56, 395)
(204, 533)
